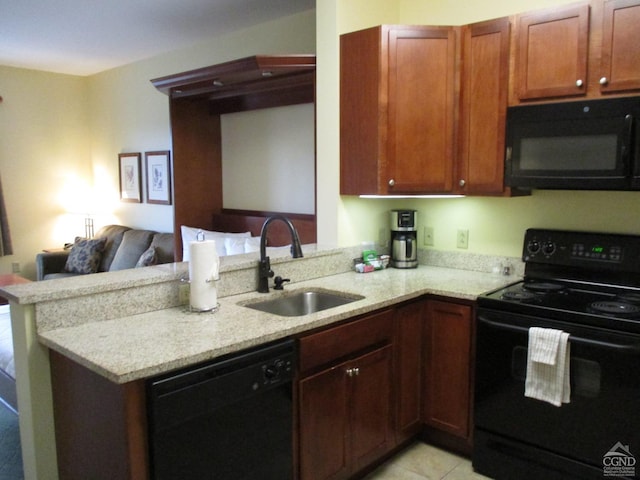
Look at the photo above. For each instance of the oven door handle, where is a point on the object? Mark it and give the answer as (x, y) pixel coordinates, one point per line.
(632, 348)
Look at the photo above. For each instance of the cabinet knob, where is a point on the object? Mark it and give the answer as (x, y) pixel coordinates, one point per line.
(604, 81)
(349, 372)
(392, 182)
(579, 83)
(462, 183)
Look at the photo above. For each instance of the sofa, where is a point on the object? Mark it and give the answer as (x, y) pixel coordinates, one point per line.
(114, 247)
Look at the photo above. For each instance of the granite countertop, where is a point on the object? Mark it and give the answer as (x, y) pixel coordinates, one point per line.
(148, 344)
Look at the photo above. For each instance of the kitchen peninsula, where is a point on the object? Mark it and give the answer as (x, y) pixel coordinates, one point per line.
(120, 328)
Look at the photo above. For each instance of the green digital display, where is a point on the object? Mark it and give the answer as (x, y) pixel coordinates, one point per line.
(597, 249)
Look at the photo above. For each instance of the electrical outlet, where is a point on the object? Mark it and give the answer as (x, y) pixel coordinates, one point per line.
(428, 236)
(463, 238)
(15, 267)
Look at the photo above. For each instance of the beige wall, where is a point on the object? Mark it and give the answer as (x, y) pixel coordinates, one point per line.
(274, 171)
(60, 136)
(44, 160)
(496, 225)
(129, 114)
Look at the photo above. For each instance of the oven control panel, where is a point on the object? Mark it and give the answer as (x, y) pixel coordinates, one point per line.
(559, 247)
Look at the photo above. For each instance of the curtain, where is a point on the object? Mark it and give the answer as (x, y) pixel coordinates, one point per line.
(5, 236)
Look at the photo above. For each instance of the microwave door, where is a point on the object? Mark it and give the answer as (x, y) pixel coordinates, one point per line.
(573, 154)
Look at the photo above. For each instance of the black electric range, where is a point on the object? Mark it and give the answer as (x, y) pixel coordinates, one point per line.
(587, 285)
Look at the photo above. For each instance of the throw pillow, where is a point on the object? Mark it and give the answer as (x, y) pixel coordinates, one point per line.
(85, 255)
(134, 244)
(234, 245)
(251, 244)
(149, 257)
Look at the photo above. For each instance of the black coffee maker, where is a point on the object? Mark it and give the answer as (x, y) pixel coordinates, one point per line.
(404, 239)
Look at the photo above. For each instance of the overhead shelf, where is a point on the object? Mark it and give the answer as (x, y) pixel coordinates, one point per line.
(260, 81)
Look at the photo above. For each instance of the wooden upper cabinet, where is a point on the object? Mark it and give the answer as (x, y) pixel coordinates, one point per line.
(397, 88)
(552, 52)
(620, 67)
(421, 109)
(587, 49)
(483, 106)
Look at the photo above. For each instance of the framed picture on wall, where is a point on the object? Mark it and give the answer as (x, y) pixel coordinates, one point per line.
(130, 180)
(158, 170)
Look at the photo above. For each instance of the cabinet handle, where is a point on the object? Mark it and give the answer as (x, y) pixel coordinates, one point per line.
(356, 371)
(392, 182)
(462, 183)
(350, 372)
(579, 83)
(604, 81)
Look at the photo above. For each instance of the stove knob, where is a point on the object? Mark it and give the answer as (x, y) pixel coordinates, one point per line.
(549, 248)
(533, 247)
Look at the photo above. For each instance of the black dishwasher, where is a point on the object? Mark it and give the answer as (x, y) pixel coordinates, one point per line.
(228, 419)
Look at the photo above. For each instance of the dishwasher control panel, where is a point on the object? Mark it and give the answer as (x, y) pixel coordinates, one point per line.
(278, 370)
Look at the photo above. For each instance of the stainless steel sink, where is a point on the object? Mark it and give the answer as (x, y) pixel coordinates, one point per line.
(303, 302)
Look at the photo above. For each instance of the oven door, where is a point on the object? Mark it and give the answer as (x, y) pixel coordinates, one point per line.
(517, 435)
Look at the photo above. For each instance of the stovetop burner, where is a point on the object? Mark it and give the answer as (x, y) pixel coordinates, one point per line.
(616, 308)
(543, 287)
(518, 295)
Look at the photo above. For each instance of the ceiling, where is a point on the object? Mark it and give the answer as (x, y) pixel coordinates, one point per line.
(83, 37)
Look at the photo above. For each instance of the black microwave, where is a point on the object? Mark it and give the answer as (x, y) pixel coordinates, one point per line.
(577, 145)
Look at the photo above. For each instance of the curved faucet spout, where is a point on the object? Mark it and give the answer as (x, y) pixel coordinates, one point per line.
(264, 267)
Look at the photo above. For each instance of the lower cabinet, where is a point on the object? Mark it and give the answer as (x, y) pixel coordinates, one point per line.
(408, 368)
(364, 388)
(375, 383)
(345, 397)
(447, 382)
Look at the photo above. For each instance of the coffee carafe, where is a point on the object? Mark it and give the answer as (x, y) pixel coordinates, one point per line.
(404, 239)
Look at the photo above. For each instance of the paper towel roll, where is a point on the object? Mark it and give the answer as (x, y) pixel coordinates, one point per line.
(204, 267)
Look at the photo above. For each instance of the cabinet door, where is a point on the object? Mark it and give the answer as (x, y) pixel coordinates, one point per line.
(447, 344)
(620, 69)
(346, 416)
(363, 76)
(324, 425)
(421, 109)
(484, 87)
(552, 52)
(408, 369)
(370, 407)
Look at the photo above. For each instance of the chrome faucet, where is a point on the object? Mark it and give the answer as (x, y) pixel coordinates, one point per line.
(264, 266)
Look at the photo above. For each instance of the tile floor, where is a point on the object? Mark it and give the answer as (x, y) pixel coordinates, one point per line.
(425, 462)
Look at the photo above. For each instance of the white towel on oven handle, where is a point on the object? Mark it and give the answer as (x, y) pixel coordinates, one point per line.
(548, 382)
(546, 342)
